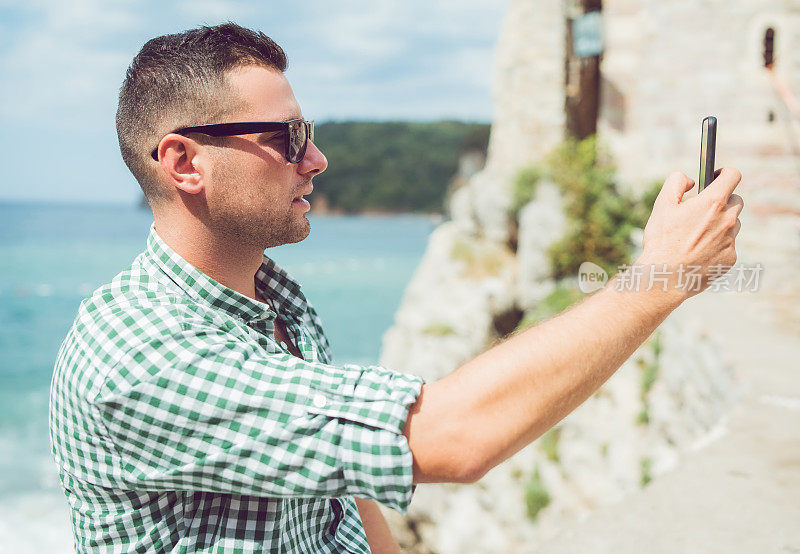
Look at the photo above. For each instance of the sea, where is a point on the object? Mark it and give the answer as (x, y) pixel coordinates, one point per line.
(353, 270)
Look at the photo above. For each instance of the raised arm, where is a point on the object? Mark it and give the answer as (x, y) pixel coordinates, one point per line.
(488, 409)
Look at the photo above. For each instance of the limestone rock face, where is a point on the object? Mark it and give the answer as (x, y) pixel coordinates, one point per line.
(446, 313)
(541, 223)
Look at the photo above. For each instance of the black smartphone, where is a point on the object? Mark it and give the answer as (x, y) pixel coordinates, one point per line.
(708, 144)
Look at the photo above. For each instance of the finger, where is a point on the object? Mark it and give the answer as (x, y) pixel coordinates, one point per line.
(736, 203)
(675, 186)
(727, 180)
(736, 227)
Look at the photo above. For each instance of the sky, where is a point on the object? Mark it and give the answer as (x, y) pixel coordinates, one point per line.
(62, 63)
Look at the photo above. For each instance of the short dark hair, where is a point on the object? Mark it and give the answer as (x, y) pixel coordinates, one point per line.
(178, 80)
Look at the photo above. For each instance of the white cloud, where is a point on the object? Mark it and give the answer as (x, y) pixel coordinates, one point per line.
(73, 60)
(63, 67)
(211, 12)
(410, 60)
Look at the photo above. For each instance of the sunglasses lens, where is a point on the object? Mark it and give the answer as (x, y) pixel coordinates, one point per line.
(298, 138)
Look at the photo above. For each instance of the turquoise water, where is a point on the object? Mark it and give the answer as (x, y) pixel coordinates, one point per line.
(353, 270)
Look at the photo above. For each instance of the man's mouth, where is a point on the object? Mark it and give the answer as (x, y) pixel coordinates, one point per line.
(300, 201)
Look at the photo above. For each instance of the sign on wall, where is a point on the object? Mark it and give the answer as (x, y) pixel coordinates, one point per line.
(587, 35)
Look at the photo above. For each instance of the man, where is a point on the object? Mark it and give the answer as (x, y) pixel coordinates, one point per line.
(194, 403)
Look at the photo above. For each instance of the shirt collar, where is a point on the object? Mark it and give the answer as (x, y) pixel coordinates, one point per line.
(271, 282)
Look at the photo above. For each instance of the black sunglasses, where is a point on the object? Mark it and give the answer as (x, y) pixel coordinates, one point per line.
(298, 132)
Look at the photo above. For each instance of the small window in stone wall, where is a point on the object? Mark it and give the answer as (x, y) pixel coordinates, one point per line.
(769, 60)
(769, 47)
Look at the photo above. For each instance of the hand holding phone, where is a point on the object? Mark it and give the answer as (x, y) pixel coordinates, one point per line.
(708, 142)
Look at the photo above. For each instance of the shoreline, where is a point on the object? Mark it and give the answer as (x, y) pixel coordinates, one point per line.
(432, 216)
(48, 204)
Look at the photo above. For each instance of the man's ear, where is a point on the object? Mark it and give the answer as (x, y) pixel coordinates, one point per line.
(185, 163)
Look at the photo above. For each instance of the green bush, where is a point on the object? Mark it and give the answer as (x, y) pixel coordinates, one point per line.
(650, 370)
(646, 466)
(548, 443)
(536, 496)
(600, 218)
(476, 139)
(643, 417)
(524, 188)
(649, 376)
(562, 297)
(481, 259)
(657, 345)
(644, 205)
(395, 166)
(439, 330)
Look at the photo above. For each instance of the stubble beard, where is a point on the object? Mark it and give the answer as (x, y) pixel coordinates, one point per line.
(240, 222)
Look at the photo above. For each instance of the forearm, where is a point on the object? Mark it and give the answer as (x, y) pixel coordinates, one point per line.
(491, 407)
(379, 536)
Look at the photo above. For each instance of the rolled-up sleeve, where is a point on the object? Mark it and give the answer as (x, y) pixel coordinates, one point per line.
(205, 411)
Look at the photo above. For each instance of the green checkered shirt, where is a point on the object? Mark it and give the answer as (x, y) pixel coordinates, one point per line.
(179, 424)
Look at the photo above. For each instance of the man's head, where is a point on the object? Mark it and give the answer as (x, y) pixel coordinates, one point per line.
(240, 187)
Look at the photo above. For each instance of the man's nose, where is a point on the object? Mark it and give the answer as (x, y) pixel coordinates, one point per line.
(314, 161)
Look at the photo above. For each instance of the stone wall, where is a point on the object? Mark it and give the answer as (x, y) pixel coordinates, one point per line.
(667, 65)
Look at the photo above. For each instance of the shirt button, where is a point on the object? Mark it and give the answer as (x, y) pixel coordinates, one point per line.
(320, 401)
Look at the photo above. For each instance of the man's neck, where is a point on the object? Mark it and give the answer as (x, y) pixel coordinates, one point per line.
(229, 264)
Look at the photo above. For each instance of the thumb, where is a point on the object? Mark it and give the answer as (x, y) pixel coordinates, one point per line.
(675, 186)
